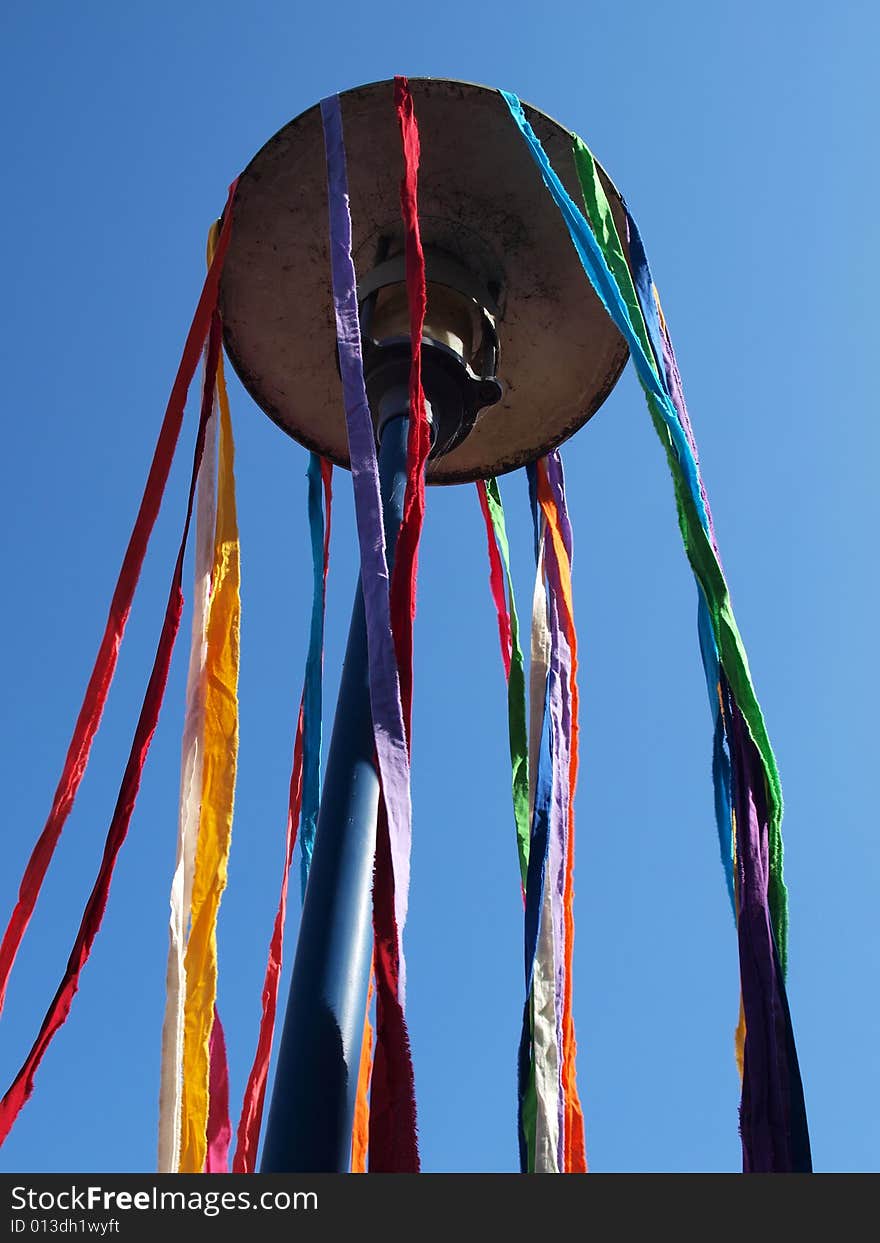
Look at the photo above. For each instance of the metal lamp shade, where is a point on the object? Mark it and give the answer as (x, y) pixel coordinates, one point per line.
(483, 203)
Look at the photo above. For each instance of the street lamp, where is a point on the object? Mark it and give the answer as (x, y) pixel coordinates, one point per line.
(490, 232)
(517, 351)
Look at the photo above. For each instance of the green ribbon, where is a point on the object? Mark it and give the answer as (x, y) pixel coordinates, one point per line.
(605, 231)
(516, 692)
(698, 547)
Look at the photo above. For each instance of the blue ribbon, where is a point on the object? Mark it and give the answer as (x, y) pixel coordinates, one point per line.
(605, 287)
(312, 691)
(721, 778)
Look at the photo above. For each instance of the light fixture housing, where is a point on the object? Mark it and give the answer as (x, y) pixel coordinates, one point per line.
(459, 347)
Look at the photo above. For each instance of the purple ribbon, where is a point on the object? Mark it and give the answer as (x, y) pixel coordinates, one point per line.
(560, 687)
(676, 392)
(388, 730)
(773, 1122)
(560, 719)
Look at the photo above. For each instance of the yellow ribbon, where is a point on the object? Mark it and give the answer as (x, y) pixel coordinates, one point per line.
(218, 795)
(360, 1131)
(170, 1086)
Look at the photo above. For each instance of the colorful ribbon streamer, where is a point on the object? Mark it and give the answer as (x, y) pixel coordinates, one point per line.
(758, 899)
(551, 498)
(170, 1084)
(535, 882)
(105, 663)
(390, 735)
(562, 705)
(393, 1138)
(392, 1120)
(496, 582)
(59, 1008)
(772, 1089)
(511, 654)
(360, 1131)
(219, 1130)
(219, 767)
(320, 476)
(693, 518)
(547, 990)
(640, 294)
(544, 761)
(192, 752)
(650, 328)
(406, 556)
(533, 800)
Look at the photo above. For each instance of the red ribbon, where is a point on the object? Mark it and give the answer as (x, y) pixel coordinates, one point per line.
(105, 664)
(406, 557)
(219, 1129)
(93, 914)
(393, 1146)
(496, 582)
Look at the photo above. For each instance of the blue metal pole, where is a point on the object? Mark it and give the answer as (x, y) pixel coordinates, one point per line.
(313, 1099)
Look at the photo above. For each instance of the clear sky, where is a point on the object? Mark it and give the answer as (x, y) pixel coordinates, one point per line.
(742, 136)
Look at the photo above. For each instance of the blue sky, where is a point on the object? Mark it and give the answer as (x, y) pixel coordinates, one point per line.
(741, 137)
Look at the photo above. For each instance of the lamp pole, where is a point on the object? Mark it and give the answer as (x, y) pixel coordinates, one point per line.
(313, 1098)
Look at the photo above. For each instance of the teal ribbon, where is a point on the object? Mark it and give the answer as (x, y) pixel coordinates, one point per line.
(693, 518)
(606, 288)
(637, 289)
